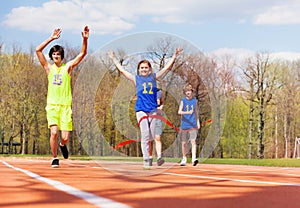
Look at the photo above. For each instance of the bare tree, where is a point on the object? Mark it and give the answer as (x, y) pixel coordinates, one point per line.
(286, 104)
(261, 77)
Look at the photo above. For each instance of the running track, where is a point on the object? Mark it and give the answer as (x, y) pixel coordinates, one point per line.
(26, 182)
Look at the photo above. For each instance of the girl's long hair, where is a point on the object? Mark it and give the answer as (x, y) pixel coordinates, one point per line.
(141, 62)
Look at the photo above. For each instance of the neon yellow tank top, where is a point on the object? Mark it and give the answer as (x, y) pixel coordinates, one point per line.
(59, 86)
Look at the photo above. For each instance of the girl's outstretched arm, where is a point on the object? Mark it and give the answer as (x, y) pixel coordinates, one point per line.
(126, 74)
(169, 64)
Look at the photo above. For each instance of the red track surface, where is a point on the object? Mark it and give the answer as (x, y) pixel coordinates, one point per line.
(33, 183)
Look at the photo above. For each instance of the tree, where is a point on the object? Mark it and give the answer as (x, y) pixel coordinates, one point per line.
(261, 76)
(286, 106)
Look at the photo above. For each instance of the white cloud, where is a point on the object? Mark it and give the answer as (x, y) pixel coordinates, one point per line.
(118, 16)
(239, 55)
(286, 12)
(102, 16)
(288, 56)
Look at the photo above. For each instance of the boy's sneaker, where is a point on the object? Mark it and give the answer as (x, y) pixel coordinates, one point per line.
(150, 161)
(183, 162)
(195, 162)
(160, 161)
(55, 163)
(64, 151)
(146, 165)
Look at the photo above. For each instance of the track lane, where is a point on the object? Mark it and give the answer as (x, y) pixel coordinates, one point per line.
(207, 186)
(20, 190)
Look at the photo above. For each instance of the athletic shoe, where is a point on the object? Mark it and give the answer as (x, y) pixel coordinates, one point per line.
(183, 162)
(150, 161)
(55, 163)
(195, 162)
(160, 161)
(64, 151)
(146, 165)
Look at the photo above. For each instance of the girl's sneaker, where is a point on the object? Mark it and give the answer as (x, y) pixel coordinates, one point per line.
(160, 161)
(146, 165)
(195, 162)
(183, 162)
(150, 161)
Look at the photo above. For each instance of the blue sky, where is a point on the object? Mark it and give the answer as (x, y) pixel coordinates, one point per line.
(212, 26)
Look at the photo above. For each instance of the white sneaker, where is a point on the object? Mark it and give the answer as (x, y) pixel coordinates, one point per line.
(146, 165)
(183, 162)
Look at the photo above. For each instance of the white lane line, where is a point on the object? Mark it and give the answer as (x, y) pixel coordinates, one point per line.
(266, 172)
(235, 180)
(251, 170)
(90, 198)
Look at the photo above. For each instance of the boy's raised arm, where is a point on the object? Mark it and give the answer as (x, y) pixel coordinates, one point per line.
(85, 35)
(39, 49)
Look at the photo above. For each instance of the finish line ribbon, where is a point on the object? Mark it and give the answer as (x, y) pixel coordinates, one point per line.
(121, 144)
(160, 118)
(166, 121)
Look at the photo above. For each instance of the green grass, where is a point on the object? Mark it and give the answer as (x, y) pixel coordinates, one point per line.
(256, 162)
(252, 162)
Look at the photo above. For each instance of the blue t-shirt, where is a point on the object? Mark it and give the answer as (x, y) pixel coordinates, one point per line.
(146, 92)
(188, 121)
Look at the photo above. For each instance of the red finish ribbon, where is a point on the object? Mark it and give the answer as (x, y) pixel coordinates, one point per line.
(121, 144)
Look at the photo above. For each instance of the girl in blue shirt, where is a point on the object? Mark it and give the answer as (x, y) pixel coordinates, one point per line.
(146, 104)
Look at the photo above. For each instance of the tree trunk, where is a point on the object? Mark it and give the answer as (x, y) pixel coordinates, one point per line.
(250, 122)
(24, 137)
(285, 135)
(276, 133)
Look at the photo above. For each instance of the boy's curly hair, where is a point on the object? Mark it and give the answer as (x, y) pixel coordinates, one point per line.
(188, 87)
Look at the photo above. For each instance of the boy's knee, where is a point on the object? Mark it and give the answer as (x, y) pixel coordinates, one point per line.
(54, 132)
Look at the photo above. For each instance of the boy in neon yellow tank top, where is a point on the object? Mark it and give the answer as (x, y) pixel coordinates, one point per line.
(59, 97)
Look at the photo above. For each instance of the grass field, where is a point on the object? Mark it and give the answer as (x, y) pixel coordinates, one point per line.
(257, 162)
(251, 162)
